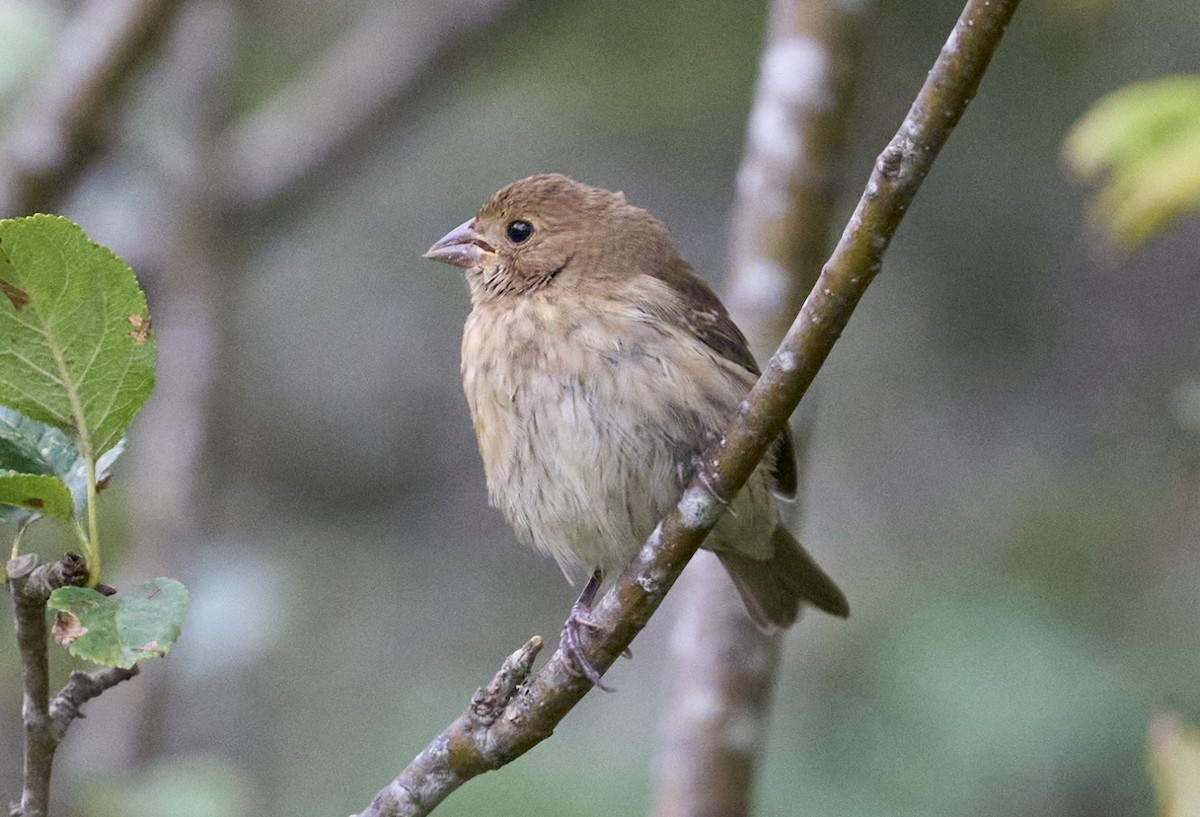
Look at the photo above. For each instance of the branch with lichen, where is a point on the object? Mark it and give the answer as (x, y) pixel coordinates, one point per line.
(782, 230)
(531, 710)
(46, 719)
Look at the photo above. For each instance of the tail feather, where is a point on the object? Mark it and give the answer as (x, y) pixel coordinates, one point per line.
(774, 589)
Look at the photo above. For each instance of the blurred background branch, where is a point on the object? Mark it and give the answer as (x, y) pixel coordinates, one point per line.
(179, 263)
(381, 59)
(713, 725)
(66, 116)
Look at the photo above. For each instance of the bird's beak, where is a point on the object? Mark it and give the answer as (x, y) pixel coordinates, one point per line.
(462, 246)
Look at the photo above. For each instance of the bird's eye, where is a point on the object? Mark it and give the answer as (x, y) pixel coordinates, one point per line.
(518, 231)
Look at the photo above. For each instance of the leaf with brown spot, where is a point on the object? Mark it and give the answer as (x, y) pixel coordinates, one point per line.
(67, 628)
(141, 329)
(68, 359)
(36, 494)
(127, 628)
(18, 296)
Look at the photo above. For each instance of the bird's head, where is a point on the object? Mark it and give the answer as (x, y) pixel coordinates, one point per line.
(551, 230)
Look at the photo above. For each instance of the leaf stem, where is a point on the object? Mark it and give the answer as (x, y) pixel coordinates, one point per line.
(92, 546)
(89, 539)
(16, 546)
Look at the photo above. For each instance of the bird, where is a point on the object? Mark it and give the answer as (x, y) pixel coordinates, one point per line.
(597, 365)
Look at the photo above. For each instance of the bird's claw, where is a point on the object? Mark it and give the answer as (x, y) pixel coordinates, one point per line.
(713, 490)
(571, 645)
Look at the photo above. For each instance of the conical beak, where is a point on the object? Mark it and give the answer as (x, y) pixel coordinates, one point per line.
(462, 247)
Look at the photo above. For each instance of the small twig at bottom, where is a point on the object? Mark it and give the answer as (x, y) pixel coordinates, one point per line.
(439, 767)
(82, 687)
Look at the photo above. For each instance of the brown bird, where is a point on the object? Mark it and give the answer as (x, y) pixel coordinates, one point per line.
(597, 365)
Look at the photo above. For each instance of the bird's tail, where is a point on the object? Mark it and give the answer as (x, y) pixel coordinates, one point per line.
(774, 589)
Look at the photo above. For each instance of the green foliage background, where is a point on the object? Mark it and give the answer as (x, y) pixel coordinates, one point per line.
(1004, 477)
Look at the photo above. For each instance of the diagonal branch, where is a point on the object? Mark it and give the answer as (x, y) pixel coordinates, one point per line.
(467, 748)
(53, 140)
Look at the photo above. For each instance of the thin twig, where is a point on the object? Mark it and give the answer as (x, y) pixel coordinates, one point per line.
(30, 586)
(30, 611)
(464, 751)
(434, 773)
(61, 127)
(81, 687)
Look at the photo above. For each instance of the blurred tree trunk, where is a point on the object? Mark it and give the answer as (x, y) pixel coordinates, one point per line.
(714, 723)
(178, 266)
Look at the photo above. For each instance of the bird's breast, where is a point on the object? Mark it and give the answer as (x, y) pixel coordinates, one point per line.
(578, 454)
(586, 418)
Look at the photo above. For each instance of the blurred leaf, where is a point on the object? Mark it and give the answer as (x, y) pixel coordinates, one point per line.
(1174, 761)
(1145, 139)
(198, 787)
(1185, 404)
(78, 351)
(33, 448)
(1078, 6)
(120, 631)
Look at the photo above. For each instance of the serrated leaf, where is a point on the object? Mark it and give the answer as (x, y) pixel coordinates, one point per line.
(33, 493)
(76, 350)
(30, 447)
(1144, 141)
(120, 630)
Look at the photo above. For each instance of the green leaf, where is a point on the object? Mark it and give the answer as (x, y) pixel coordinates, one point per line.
(121, 630)
(30, 447)
(186, 787)
(76, 350)
(33, 494)
(1142, 144)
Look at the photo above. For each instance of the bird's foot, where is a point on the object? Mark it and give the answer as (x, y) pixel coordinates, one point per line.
(572, 646)
(713, 491)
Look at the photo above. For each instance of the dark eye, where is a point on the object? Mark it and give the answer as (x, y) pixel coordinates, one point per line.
(518, 231)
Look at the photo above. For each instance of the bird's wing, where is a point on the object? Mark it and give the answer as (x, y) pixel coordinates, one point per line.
(704, 316)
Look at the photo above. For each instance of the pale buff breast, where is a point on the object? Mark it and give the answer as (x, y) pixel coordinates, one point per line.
(583, 425)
